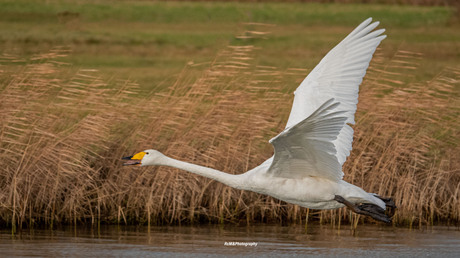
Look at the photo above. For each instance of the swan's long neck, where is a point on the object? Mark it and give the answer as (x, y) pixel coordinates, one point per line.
(236, 181)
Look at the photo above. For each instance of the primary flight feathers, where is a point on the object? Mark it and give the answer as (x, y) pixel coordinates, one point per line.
(338, 75)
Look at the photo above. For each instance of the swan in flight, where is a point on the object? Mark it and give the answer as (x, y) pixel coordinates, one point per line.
(306, 168)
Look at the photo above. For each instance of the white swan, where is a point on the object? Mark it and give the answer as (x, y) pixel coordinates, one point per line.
(306, 168)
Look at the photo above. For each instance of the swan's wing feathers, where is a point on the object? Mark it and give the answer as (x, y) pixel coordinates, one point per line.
(306, 149)
(338, 76)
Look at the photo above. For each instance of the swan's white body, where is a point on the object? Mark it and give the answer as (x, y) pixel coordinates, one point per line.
(309, 192)
(306, 168)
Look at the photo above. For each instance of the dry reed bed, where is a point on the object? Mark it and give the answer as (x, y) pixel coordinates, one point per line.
(62, 134)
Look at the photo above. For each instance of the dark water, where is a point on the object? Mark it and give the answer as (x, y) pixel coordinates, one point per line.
(262, 240)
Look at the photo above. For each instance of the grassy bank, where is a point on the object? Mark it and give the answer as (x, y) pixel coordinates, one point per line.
(213, 99)
(149, 41)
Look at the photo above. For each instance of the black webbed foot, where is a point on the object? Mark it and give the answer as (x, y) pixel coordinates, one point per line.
(389, 202)
(367, 209)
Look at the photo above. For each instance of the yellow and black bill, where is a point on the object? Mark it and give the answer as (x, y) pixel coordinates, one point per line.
(136, 159)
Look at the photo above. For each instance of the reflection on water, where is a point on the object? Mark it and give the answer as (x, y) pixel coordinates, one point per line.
(264, 240)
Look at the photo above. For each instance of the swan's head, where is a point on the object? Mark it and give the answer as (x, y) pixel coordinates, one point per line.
(145, 158)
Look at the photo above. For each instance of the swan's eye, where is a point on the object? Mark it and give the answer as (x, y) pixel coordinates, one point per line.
(147, 153)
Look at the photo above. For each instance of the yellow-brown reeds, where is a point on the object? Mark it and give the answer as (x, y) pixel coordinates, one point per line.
(62, 133)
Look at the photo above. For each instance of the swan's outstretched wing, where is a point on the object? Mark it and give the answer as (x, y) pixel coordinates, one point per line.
(306, 149)
(338, 76)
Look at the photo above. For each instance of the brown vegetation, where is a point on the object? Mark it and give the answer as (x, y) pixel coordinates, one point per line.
(62, 134)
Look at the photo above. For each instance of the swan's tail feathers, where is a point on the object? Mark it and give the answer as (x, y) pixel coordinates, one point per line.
(369, 209)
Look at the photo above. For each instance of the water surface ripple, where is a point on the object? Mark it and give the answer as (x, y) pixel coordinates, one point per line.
(260, 240)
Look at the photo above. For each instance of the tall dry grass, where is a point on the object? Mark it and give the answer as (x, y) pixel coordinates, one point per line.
(63, 133)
